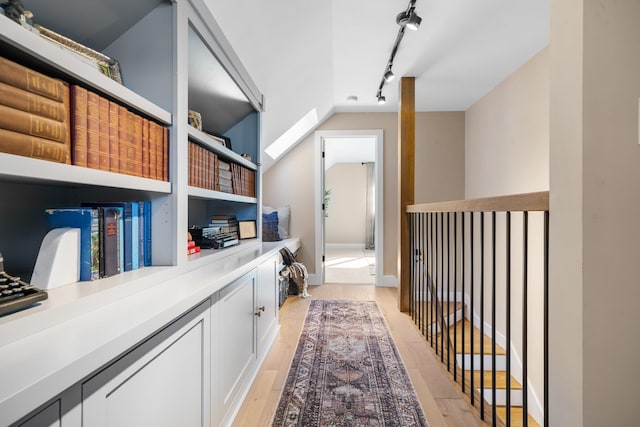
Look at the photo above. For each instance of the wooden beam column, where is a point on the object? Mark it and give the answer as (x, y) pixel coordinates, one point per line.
(406, 181)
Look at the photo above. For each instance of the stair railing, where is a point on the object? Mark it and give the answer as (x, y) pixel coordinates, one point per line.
(458, 261)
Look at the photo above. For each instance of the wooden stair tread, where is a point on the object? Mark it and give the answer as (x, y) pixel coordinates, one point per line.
(501, 380)
(516, 416)
(424, 311)
(476, 340)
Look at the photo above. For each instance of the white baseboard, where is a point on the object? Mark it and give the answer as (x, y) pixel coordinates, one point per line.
(313, 280)
(389, 281)
(344, 245)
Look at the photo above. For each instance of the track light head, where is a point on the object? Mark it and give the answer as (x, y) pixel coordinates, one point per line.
(381, 99)
(388, 76)
(409, 19)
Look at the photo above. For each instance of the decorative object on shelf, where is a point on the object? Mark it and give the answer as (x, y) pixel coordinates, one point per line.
(220, 139)
(247, 229)
(247, 156)
(106, 65)
(195, 119)
(14, 10)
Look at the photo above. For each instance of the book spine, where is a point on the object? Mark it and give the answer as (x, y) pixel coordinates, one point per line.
(114, 146)
(147, 233)
(78, 125)
(23, 100)
(93, 130)
(32, 124)
(95, 245)
(134, 236)
(152, 149)
(25, 78)
(103, 128)
(137, 128)
(66, 103)
(31, 146)
(131, 144)
(165, 154)
(190, 163)
(159, 152)
(141, 233)
(111, 244)
(123, 120)
(145, 148)
(102, 240)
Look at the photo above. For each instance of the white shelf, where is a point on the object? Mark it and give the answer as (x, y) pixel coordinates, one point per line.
(28, 170)
(204, 194)
(70, 64)
(224, 152)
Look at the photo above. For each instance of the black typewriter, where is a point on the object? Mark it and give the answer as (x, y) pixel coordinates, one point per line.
(15, 294)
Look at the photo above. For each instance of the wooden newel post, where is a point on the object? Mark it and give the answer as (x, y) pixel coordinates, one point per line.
(406, 181)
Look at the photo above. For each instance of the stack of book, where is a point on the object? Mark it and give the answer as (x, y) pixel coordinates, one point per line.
(224, 177)
(114, 237)
(222, 231)
(243, 180)
(107, 136)
(203, 167)
(34, 114)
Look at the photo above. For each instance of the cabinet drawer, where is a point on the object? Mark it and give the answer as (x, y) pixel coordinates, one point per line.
(162, 382)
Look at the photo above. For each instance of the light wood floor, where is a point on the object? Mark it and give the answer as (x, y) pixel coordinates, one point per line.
(441, 403)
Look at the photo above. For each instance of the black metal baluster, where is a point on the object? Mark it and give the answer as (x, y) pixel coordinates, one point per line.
(418, 274)
(412, 277)
(493, 317)
(437, 279)
(472, 351)
(462, 283)
(525, 291)
(546, 319)
(425, 278)
(482, 315)
(446, 325)
(508, 316)
(442, 287)
(433, 286)
(455, 295)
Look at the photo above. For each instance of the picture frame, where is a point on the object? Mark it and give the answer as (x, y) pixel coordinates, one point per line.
(247, 229)
(104, 64)
(221, 139)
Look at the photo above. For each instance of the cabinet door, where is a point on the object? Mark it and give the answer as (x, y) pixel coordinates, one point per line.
(236, 337)
(162, 382)
(48, 417)
(267, 304)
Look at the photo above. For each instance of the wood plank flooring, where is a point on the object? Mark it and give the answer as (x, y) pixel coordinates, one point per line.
(442, 403)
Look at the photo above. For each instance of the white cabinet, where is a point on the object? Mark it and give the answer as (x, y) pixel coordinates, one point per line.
(267, 304)
(233, 342)
(48, 417)
(162, 382)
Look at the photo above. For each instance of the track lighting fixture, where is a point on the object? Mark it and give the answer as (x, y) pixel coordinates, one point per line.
(388, 76)
(407, 19)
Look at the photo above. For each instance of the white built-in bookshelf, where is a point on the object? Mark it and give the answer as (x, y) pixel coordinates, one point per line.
(173, 57)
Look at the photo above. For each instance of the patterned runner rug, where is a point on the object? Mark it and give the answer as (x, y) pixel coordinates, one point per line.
(347, 372)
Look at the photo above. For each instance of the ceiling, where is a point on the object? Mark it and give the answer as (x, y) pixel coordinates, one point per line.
(462, 49)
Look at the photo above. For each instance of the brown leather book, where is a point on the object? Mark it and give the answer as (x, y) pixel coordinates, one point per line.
(145, 148)
(103, 133)
(137, 133)
(114, 137)
(153, 135)
(131, 144)
(190, 163)
(16, 75)
(165, 153)
(66, 102)
(93, 130)
(32, 124)
(33, 103)
(159, 152)
(78, 125)
(123, 139)
(32, 146)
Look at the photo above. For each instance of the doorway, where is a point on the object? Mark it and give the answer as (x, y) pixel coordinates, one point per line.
(349, 201)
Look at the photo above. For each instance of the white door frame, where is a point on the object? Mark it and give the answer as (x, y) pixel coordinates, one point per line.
(320, 136)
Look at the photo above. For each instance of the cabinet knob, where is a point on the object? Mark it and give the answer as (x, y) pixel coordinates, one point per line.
(261, 308)
(258, 313)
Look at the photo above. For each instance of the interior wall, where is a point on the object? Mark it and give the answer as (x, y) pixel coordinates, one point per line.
(507, 134)
(611, 208)
(291, 180)
(345, 222)
(507, 152)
